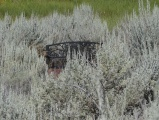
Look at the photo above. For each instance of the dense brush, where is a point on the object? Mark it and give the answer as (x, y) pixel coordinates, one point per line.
(125, 73)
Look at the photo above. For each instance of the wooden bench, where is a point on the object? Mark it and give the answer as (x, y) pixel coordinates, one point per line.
(56, 54)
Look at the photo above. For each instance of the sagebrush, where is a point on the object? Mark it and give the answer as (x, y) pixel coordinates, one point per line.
(114, 88)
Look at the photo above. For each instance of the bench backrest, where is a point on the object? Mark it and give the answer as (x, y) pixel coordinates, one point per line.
(56, 54)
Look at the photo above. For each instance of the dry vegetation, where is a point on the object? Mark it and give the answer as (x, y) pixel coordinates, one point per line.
(118, 88)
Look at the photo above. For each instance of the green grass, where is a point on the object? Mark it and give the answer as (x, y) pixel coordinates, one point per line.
(110, 10)
(41, 8)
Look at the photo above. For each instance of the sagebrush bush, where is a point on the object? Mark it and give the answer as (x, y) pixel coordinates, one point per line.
(112, 87)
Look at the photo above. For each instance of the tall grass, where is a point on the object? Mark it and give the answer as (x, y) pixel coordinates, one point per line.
(110, 10)
(127, 68)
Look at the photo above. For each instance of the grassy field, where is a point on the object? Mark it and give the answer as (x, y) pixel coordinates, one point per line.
(110, 10)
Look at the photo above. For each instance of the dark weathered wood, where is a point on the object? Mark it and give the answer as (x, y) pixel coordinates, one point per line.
(56, 54)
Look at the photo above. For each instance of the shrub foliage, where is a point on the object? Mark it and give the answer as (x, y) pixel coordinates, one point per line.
(116, 86)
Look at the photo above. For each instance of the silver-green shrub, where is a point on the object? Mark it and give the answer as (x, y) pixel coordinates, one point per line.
(126, 66)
